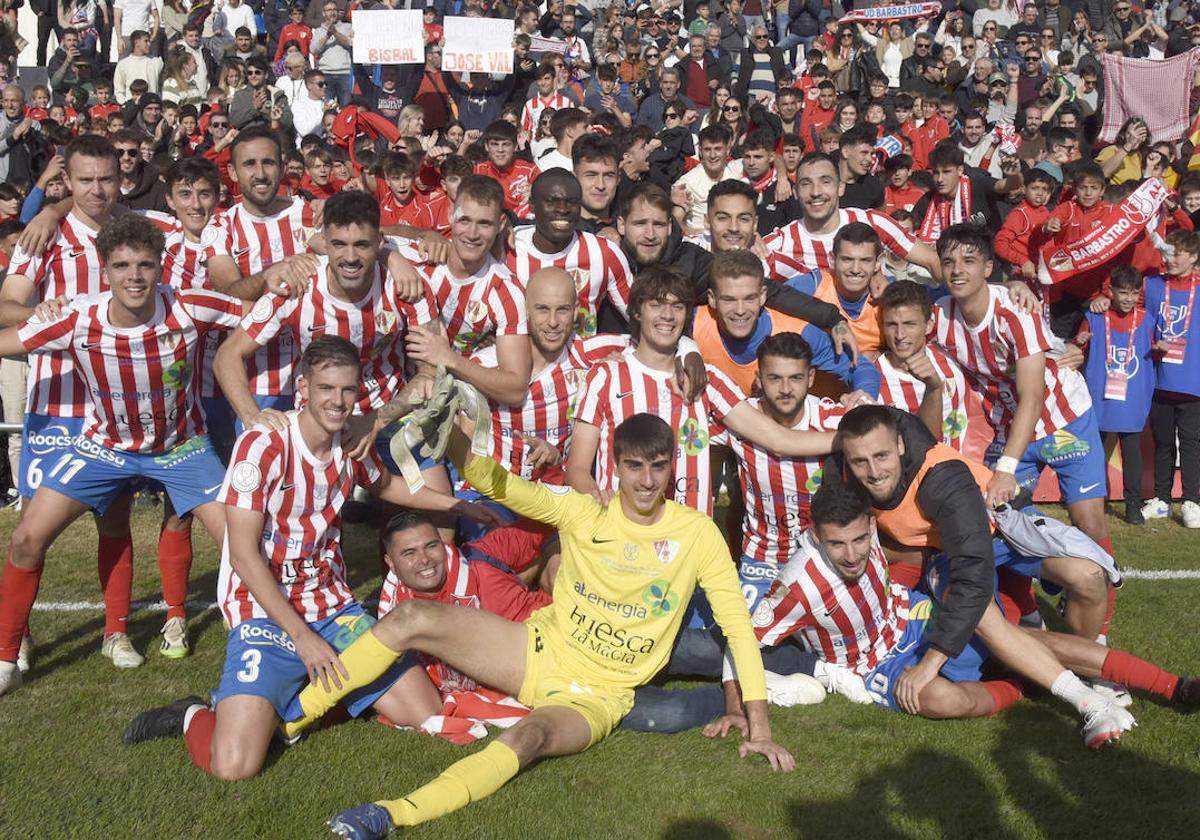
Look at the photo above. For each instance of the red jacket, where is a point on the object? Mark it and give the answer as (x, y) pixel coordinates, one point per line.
(1021, 237)
(517, 181)
(300, 32)
(924, 138)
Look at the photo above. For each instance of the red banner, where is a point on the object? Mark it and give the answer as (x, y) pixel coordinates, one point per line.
(1121, 226)
(882, 13)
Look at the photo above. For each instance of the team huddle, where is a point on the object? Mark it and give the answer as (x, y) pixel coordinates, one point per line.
(546, 418)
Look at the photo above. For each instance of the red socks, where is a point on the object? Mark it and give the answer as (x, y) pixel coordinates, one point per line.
(1108, 616)
(198, 734)
(18, 591)
(1004, 693)
(905, 574)
(1127, 669)
(1016, 590)
(175, 567)
(114, 562)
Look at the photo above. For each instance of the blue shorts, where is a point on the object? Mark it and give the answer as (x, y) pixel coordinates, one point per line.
(1075, 453)
(95, 475)
(261, 659)
(219, 423)
(755, 578)
(922, 615)
(44, 440)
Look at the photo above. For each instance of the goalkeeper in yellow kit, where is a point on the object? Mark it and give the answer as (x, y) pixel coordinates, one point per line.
(628, 571)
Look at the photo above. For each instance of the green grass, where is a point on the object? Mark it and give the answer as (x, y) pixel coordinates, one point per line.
(863, 772)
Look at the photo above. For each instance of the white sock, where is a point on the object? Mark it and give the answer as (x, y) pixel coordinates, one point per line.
(190, 713)
(1071, 689)
(820, 673)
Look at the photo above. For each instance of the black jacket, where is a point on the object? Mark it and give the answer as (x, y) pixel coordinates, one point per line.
(950, 498)
(149, 194)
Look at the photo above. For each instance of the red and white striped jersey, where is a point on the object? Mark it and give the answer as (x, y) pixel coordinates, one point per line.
(377, 325)
(532, 112)
(139, 379)
(275, 473)
(988, 354)
(850, 623)
(486, 304)
(69, 267)
(901, 389)
(796, 242)
(595, 264)
(615, 391)
(185, 266)
(256, 243)
(548, 411)
(778, 490)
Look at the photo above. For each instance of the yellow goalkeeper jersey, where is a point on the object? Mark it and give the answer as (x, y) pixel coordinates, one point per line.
(622, 588)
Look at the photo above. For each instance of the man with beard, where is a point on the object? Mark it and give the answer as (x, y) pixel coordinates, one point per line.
(140, 187)
(788, 103)
(258, 103)
(596, 264)
(924, 495)
(979, 146)
(809, 241)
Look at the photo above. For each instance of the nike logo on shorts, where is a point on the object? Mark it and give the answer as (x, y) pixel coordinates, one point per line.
(208, 490)
(1089, 488)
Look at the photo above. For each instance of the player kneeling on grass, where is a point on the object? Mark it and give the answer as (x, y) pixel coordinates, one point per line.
(835, 594)
(283, 579)
(135, 348)
(628, 570)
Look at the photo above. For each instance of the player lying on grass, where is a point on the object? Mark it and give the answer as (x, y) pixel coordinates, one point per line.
(283, 581)
(927, 497)
(628, 569)
(835, 594)
(134, 348)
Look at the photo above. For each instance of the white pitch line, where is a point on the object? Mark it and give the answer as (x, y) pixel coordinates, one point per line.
(201, 606)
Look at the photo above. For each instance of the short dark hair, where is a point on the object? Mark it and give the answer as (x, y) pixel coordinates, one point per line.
(1184, 240)
(328, 350)
(864, 419)
(351, 207)
(405, 520)
(786, 345)
(819, 157)
(90, 146)
(857, 134)
(946, 153)
(1085, 169)
(732, 187)
(647, 435)
(593, 147)
(715, 133)
(564, 118)
(858, 233)
(546, 68)
(500, 130)
(965, 236)
(130, 230)
(1034, 176)
(649, 192)
(759, 140)
(257, 132)
(189, 170)
(1126, 277)
(838, 503)
(906, 293)
(396, 163)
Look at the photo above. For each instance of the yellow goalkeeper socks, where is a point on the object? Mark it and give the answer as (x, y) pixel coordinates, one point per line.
(463, 782)
(365, 660)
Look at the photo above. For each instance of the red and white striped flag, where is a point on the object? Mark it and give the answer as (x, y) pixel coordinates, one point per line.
(1135, 87)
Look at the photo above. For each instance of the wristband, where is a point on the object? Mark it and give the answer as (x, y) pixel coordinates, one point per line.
(1006, 464)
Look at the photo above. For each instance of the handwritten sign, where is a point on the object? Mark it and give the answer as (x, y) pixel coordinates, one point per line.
(478, 45)
(390, 36)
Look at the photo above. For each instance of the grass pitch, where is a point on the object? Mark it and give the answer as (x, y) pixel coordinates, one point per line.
(862, 772)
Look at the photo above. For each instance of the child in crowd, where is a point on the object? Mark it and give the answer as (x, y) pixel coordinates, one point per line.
(899, 192)
(1022, 235)
(1175, 409)
(1120, 373)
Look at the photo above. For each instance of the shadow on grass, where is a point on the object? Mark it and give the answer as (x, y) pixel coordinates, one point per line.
(1046, 777)
(696, 830)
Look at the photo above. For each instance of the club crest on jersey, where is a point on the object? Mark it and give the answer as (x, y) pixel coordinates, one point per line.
(476, 312)
(666, 551)
(245, 477)
(692, 438)
(385, 321)
(262, 311)
(764, 613)
(1121, 361)
(582, 278)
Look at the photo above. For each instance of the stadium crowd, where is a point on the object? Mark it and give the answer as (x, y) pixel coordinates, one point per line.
(865, 273)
